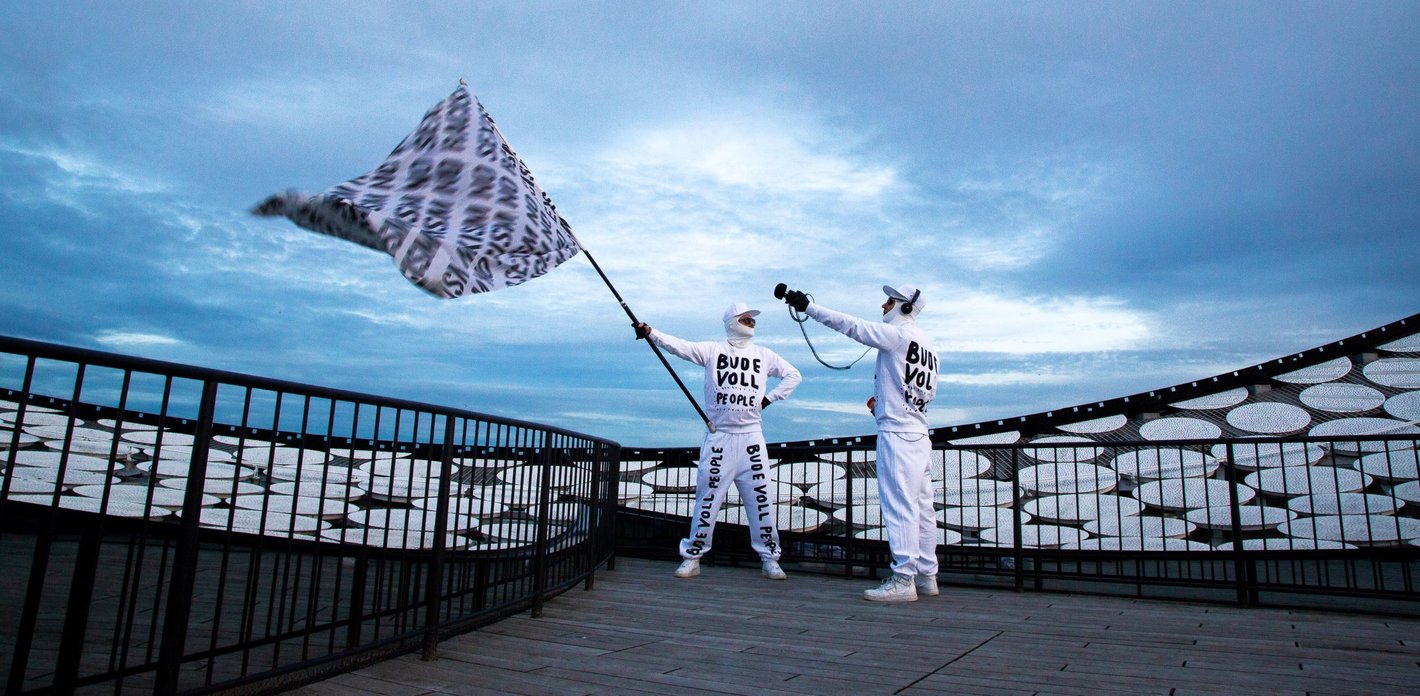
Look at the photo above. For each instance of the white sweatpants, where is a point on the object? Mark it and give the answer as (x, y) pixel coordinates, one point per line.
(741, 458)
(905, 491)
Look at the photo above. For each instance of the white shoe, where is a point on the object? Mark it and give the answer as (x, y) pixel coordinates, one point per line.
(898, 588)
(689, 568)
(770, 569)
(926, 585)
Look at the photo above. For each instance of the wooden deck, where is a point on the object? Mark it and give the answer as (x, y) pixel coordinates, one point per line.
(730, 631)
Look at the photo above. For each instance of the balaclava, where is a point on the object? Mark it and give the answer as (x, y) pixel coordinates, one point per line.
(736, 333)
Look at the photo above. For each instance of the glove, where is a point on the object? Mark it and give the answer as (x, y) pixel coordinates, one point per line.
(798, 300)
(764, 403)
(642, 330)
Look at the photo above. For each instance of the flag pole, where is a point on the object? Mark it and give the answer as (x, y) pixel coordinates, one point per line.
(654, 348)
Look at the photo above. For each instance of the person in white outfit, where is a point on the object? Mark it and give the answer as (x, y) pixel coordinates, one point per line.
(903, 385)
(737, 375)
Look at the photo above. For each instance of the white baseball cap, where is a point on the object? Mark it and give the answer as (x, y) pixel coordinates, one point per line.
(735, 310)
(903, 293)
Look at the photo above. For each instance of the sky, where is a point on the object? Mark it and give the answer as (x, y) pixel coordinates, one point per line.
(1096, 198)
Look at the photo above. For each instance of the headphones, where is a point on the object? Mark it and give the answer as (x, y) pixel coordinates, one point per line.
(907, 306)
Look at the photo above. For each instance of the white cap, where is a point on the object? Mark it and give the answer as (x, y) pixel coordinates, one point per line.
(903, 293)
(735, 310)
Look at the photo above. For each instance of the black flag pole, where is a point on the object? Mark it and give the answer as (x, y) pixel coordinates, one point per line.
(649, 342)
(568, 229)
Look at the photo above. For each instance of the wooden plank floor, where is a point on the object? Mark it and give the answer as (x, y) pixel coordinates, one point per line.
(730, 631)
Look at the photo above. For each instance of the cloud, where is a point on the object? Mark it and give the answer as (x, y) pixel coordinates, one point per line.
(134, 340)
(978, 321)
(767, 154)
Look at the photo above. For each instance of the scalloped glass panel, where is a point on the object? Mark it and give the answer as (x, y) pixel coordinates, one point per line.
(1107, 424)
(1224, 399)
(1318, 373)
(1398, 373)
(1164, 463)
(1269, 417)
(1059, 477)
(1006, 438)
(1055, 453)
(1307, 480)
(1363, 530)
(1074, 508)
(1409, 344)
(1034, 535)
(1404, 406)
(1366, 426)
(1179, 428)
(1342, 398)
(1398, 465)
(956, 465)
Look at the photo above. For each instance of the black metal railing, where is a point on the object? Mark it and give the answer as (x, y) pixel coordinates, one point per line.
(167, 529)
(1321, 521)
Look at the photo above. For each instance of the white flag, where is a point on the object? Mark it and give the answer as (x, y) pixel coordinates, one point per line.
(453, 204)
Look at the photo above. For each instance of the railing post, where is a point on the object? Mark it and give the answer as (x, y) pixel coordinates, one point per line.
(180, 600)
(1241, 569)
(540, 550)
(433, 589)
(1018, 557)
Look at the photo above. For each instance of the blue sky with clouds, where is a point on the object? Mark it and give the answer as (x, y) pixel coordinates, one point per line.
(1096, 198)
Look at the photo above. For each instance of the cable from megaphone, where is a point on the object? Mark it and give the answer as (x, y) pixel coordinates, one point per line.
(780, 292)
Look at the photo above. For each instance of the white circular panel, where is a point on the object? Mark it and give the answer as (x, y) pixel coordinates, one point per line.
(414, 520)
(1097, 426)
(1179, 428)
(1231, 397)
(1006, 438)
(976, 518)
(1366, 426)
(672, 479)
(1141, 526)
(1068, 478)
(627, 491)
(391, 538)
(1059, 453)
(558, 477)
(1399, 373)
(1269, 455)
(976, 493)
(1409, 344)
(216, 488)
(1316, 374)
(1164, 463)
(837, 492)
(150, 438)
(1190, 494)
(1250, 517)
(1134, 543)
(1362, 530)
(945, 537)
(1285, 544)
(1307, 480)
(1342, 398)
(1408, 491)
(324, 508)
(1405, 406)
(956, 465)
(1075, 509)
(1269, 417)
(809, 473)
(1346, 504)
(866, 514)
(1399, 465)
(44, 459)
(1043, 536)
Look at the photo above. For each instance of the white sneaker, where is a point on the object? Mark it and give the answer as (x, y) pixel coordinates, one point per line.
(898, 588)
(689, 568)
(926, 585)
(770, 569)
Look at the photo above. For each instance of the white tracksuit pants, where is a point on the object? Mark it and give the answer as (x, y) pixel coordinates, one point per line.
(741, 458)
(905, 491)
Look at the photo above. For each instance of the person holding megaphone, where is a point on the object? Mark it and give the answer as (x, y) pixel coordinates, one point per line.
(903, 385)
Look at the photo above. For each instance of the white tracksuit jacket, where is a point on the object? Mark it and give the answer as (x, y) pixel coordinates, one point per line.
(903, 384)
(736, 377)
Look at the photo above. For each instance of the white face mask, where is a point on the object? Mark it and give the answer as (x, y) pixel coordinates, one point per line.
(734, 330)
